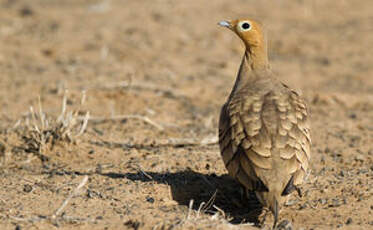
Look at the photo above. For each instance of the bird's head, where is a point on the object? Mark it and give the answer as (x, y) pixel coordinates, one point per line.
(248, 30)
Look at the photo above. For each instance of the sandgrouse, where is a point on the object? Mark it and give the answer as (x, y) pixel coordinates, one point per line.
(264, 134)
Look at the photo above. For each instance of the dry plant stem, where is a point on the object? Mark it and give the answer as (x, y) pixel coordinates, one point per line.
(31, 219)
(188, 141)
(75, 192)
(2, 200)
(210, 202)
(191, 202)
(84, 126)
(122, 117)
(147, 175)
(219, 210)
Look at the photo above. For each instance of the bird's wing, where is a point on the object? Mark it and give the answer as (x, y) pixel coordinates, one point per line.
(242, 145)
(255, 127)
(293, 140)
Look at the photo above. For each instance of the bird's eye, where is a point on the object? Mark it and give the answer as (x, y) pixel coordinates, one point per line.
(245, 26)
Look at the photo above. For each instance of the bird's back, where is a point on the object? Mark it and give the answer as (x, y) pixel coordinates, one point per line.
(264, 136)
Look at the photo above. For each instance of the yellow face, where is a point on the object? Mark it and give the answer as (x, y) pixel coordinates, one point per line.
(248, 30)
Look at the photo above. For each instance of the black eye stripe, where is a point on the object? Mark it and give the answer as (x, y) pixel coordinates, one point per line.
(245, 26)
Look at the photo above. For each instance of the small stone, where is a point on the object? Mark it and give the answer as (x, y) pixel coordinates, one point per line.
(18, 227)
(322, 201)
(359, 158)
(352, 115)
(90, 193)
(27, 188)
(349, 221)
(302, 206)
(26, 11)
(150, 200)
(99, 218)
(133, 224)
(91, 152)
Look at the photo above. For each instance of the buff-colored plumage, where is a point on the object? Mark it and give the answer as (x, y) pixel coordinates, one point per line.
(263, 129)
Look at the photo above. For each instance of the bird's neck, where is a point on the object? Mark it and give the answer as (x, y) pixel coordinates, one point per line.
(254, 68)
(257, 57)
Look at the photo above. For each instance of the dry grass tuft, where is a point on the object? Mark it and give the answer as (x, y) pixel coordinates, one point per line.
(41, 132)
(218, 220)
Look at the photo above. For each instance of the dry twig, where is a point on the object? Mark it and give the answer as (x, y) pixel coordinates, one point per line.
(124, 117)
(209, 140)
(74, 193)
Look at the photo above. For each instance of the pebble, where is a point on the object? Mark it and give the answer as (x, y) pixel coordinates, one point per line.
(27, 188)
(353, 115)
(132, 224)
(150, 200)
(26, 11)
(349, 221)
(322, 201)
(302, 206)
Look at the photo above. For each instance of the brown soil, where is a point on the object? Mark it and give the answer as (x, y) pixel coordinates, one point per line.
(181, 67)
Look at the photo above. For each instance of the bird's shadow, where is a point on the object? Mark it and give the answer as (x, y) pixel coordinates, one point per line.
(208, 191)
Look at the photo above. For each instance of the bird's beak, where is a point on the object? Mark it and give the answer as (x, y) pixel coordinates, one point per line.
(225, 24)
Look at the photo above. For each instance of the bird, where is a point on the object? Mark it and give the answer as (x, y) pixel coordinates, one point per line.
(264, 127)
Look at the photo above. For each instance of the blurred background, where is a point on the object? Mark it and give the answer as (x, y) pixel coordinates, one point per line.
(169, 63)
(75, 44)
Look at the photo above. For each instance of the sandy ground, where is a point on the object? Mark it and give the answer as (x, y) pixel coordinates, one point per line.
(168, 61)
